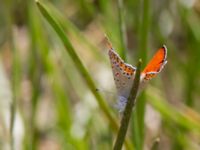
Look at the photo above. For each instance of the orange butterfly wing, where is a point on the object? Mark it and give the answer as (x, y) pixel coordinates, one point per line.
(156, 64)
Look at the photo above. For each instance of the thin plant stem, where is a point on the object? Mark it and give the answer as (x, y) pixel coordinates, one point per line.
(143, 43)
(122, 29)
(13, 104)
(14, 76)
(144, 31)
(128, 110)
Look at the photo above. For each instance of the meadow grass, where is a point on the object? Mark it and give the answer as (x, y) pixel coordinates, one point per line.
(54, 79)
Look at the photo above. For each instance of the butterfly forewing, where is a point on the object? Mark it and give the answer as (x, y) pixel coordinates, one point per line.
(123, 74)
(155, 65)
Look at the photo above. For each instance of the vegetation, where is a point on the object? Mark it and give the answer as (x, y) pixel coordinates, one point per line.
(53, 58)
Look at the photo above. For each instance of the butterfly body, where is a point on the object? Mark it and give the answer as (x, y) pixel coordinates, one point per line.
(124, 73)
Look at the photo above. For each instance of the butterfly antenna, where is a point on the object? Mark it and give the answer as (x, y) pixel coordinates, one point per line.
(108, 43)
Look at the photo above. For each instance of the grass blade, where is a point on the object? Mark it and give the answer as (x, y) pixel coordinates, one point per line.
(77, 62)
(128, 110)
(79, 66)
(140, 109)
(185, 120)
(122, 28)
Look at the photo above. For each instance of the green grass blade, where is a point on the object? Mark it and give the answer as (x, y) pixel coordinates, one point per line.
(77, 61)
(140, 109)
(79, 65)
(171, 113)
(69, 27)
(122, 28)
(16, 72)
(128, 110)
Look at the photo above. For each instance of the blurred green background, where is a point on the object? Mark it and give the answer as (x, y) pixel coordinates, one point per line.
(47, 93)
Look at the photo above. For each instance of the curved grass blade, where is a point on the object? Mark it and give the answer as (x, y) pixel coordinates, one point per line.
(69, 27)
(80, 66)
(171, 113)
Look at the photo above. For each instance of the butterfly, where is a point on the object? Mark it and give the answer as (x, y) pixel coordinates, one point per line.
(124, 73)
